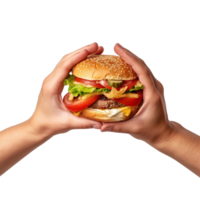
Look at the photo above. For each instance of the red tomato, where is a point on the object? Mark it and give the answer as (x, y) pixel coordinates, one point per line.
(88, 82)
(129, 84)
(77, 105)
(131, 101)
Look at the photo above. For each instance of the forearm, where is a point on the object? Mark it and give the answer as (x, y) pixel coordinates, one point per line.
(16, 142)
(183, 146)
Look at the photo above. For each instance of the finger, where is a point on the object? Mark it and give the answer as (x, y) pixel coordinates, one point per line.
(101, 50)
(92, 48)
(141, 69)
(61, 71)
(161, 89)
(119, 127)
(160, 86)
(65, 65)
(81, 123)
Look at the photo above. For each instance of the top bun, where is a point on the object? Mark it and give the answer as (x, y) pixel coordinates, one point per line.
(99, 67)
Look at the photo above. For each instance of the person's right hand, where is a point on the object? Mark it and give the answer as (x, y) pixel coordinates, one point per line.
(50, 117)
(151, 123)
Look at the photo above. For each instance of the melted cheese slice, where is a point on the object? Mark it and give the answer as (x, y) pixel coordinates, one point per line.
(77, 113)
(126, 111)
(114, 93)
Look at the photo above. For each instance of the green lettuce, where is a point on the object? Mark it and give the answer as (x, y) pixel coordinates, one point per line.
(81, 90)
(135, 88)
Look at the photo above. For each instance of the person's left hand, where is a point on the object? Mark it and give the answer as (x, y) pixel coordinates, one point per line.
(51, 116)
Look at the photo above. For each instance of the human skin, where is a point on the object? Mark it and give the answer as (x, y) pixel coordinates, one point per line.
(50, 116)
(153, 102)
(151, 123)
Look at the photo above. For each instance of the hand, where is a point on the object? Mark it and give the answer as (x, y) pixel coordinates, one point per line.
(51, 116)
(151, 123)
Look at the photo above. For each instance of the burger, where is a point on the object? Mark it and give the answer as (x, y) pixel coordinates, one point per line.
(103, 88)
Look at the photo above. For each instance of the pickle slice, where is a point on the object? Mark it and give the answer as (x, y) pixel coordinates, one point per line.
(115, 83)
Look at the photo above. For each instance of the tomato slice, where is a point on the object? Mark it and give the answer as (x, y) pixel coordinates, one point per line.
(88, 82)
(129, 84)
(77, 105)
(131, 101)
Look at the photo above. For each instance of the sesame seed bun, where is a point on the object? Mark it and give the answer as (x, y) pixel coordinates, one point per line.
(101, 67)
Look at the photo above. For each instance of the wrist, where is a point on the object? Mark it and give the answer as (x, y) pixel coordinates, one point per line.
(165, 136)
(183, 146)
(37, 128)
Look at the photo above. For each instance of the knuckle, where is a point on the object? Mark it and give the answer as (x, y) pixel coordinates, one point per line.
(147, 71)
(161, 87)
(84, 126)
(63, 56)
(45, 86)
(153, 97)
(45, 82)
(156, 98)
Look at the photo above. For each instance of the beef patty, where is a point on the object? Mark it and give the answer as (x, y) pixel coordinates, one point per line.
(104, 103)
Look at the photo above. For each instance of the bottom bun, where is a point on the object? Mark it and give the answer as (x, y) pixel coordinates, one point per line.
(109, 115)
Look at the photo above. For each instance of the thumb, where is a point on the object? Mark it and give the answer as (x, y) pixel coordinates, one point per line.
(119, 127)
(81, 123)
(130, 126)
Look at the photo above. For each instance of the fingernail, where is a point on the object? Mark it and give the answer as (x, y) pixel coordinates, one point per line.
(97, 126)
(120, 45)
(107, 129)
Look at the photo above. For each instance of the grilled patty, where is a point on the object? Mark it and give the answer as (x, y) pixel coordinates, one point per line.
(104, 103)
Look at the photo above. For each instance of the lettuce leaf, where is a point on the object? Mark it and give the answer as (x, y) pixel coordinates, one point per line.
(82, 90)
(135, 88)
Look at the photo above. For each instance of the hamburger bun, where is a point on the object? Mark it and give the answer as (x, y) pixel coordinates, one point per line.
(100, 67)
(109, 115)
(105, 67)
